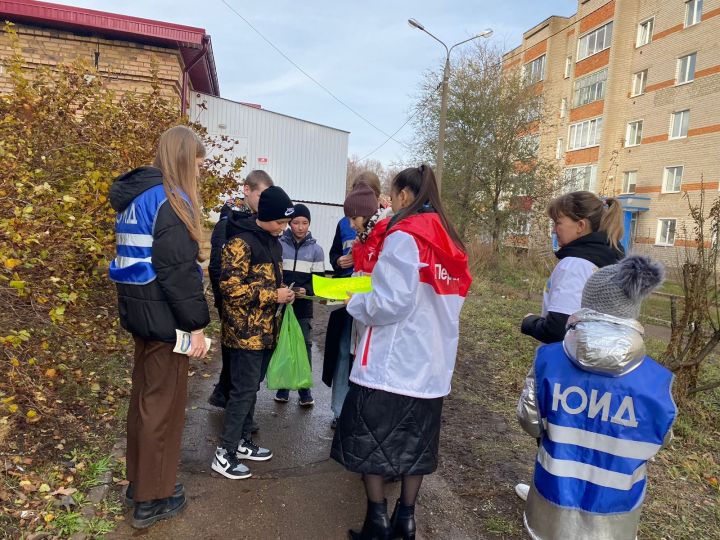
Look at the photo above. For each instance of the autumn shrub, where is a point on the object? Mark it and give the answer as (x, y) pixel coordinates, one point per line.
(64, 137)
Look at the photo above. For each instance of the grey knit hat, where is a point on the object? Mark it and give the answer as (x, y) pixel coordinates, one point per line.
(619, 289)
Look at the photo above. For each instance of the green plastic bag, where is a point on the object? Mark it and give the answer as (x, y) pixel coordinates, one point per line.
(289, 366)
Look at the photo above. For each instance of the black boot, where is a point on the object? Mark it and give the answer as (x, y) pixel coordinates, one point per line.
(376, 525)
(148, 512)
(130, 493)
(402, 522)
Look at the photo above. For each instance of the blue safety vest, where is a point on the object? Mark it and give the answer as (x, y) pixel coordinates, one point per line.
(134, 229)
(599, 431)
(347, 237)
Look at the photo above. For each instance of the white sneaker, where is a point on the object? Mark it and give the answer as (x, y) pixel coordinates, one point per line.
(522, 491)
(228, 464)
(247, 449)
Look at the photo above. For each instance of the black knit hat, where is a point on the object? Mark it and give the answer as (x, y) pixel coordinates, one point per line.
(274, 205)
(301, 211)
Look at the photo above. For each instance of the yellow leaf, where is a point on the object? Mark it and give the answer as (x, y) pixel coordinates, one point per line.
(48, 518)
(31, 413)
(15, 362)
(11, 263)
(44, 488)
(12, 408)
(51, 373)
(69, 199)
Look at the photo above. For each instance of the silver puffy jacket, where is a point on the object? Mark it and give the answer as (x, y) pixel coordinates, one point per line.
(602, 344)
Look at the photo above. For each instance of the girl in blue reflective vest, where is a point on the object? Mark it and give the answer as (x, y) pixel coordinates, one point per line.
(601, 409)
(159, 286)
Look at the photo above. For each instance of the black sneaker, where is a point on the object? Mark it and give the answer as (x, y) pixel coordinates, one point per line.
(228, 464)
(306, 399)
(130, 493)
(247, 449)
(148, 512)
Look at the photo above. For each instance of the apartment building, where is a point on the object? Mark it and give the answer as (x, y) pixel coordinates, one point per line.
(631, 91)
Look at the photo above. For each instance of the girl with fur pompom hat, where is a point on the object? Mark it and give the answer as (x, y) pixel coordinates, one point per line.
(601, 409)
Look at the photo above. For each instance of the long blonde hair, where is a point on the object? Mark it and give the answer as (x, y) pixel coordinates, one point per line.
(605, 216)
(177, 151)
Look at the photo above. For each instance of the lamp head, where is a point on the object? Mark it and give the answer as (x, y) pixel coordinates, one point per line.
(415, 24)
(485, 33)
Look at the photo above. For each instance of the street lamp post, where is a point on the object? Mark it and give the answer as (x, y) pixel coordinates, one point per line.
(444, 96)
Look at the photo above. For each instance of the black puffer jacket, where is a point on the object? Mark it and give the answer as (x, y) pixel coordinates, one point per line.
(175, 298)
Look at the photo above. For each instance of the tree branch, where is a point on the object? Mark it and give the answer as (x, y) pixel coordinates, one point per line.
(704, 388)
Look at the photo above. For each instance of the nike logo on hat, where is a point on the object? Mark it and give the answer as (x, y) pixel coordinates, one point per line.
(289, 211)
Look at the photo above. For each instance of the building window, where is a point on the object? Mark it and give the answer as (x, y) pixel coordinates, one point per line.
(666, 232)
(679, 123)
(594, 42)
(530, 144)
(519, 224)
(568, 67)
(645, 32)
(673, 179)
(585, 134)
(639, 82)
(559, 149)
(590, 88)
(686, 69)
(535, 71)
(633, 136)
(563, 107)
(693, 12)
(629, 182)
(581, 178)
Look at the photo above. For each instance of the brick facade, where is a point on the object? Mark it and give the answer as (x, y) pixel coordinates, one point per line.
(662, 96)
(125, 65)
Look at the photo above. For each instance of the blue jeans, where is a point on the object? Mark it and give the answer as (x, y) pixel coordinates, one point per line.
(341, 377)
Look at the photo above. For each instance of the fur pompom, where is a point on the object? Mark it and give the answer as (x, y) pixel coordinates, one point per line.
(639, 276)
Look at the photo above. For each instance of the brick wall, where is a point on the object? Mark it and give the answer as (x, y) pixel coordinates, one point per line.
(124, 65)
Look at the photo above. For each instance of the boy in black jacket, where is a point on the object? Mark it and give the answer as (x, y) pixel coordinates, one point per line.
(251, 288)
(253, 186)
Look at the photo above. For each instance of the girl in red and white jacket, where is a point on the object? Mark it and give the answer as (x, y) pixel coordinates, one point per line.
(390, 423)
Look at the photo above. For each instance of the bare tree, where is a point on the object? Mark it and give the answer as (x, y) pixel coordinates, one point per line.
(492, 145)
(695, 328)
(355, 166)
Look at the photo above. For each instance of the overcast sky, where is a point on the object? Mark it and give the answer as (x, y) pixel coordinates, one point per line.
(364, 52)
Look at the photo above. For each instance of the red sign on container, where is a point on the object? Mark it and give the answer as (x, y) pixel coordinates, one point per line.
(262, 160)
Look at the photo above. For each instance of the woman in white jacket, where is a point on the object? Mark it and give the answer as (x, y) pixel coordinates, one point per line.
(390, 422)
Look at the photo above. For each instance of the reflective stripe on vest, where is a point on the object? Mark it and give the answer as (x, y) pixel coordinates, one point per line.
(599, 431)
(134, 238)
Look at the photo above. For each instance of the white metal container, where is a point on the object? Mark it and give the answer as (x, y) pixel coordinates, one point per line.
(308, 160)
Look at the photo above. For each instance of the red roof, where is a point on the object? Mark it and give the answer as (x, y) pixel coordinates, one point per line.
(189, 40)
